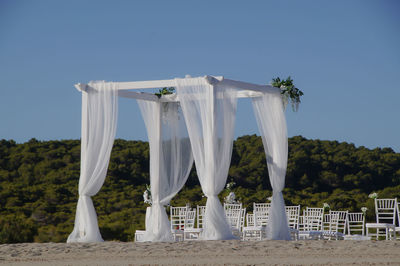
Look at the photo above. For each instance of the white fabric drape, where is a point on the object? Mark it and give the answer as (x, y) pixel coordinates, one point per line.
(170, 162)
(99, 123)
(210, 121)
(269, 112)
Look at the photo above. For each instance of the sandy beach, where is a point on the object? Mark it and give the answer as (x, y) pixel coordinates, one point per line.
(231, 252)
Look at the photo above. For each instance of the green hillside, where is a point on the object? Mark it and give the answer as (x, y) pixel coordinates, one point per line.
(39, 183)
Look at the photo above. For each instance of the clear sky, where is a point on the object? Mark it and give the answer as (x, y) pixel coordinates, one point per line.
(344, 55)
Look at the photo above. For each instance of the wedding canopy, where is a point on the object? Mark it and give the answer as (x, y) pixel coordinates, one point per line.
(196, 123)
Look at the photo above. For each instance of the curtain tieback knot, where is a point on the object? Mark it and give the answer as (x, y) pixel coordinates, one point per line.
(84, 196)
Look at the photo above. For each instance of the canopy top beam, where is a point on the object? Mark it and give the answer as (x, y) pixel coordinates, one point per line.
(151, 84)
(245, 89)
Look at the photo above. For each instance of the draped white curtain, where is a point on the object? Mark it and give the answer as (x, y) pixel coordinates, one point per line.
(269, 112)
(210, 122)
(170, 162)
(99, 123)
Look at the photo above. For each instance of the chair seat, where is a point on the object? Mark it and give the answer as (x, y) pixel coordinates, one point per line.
(253, 228)
(389, 228)
(380, 225)
(139, 235)
(193, 230)
(176, 231)
(337, 235)
(192, 233)
(332, 233)
(253, 232)
(311, 234)
(356, 237)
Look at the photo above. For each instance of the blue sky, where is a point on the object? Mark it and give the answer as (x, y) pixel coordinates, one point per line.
(344, 55)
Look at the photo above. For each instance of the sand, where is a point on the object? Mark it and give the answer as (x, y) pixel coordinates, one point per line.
(232, 252)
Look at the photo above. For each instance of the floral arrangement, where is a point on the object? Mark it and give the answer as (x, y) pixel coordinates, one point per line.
(364, 209)
(147, 196)
(326, 206)
(165, 91)
(373, 195)
(289, 92)
(231, 198)
(269, 198)
(230, 185)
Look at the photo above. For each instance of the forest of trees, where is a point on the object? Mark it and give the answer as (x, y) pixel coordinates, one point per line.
(39, 183)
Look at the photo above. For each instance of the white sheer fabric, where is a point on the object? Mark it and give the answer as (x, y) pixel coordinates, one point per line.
(170, 162)
(269, 112)
(210, 122)
(99, 123)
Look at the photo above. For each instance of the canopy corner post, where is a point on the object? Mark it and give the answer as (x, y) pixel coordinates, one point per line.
(213, 80)
(80, 87)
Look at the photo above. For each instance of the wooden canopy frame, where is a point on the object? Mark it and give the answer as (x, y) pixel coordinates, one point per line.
(246, 90)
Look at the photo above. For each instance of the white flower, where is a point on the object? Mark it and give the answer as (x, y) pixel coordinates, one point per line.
(364, 209)
(269, 198)
(373, 195)
(147, 196)
(231, 198)
(326, 205)
(230, 185)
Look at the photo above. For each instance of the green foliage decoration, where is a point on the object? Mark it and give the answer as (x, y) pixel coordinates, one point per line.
(289, 91)
(165, 91)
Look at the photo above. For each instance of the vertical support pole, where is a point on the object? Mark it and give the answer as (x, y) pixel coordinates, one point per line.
(84, 137)
(212, 138)
(84, 142)
(156, 164)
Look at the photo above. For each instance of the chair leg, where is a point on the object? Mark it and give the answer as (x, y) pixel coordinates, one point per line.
(393, 234)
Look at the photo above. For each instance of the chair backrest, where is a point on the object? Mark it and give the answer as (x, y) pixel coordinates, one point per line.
(313, 218)
(315, 209)
(190, 219)
(234, 217)
(232, 213)
(261, 213)
(385, 210)
(292, 214)
(355, 223)
(326, 224)
(177, 217)
(331, 222)
(178, 211)
(232, 206)
(250, 219)
(341, 220)
(242, 218)
(201, 212)
(301, 226)
(398, 212)
(257, 206)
